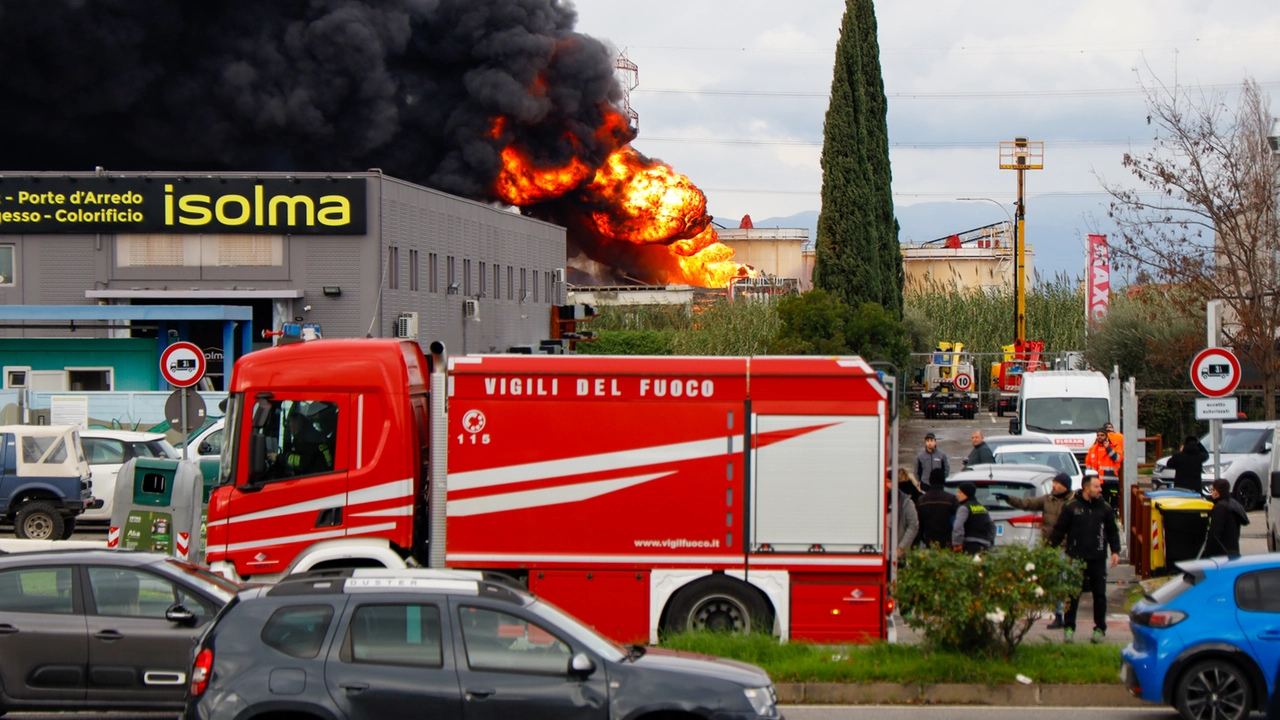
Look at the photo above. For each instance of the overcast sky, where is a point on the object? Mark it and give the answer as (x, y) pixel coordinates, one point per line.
(733, 92)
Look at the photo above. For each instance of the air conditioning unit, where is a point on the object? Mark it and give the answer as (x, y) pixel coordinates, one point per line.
(471, 308)
(407, 326)
(559, 275)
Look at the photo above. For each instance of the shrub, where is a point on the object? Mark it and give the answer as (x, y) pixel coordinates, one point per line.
(985, 603)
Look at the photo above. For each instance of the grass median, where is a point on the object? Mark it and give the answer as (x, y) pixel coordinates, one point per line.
(1043, 662)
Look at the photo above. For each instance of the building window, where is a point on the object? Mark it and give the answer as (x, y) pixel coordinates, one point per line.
(524, 285)
(433, 272)
(90, 379)
(7, 263)
(484, 279)
(452, 268)
(466, 278)
(535, 285)
(220, 250)
(497, 281)
(511, 283)
(413, 270)
(551, 296)
(393, 268)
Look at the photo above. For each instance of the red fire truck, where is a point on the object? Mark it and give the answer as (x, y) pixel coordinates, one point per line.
(638, 493)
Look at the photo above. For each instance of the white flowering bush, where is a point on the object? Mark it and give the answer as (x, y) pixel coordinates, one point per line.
(983, 604)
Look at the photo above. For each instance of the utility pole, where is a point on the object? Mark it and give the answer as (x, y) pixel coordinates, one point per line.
(1022, 156)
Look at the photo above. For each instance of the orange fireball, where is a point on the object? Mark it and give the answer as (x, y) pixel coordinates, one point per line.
(522, 182)
(643, 201)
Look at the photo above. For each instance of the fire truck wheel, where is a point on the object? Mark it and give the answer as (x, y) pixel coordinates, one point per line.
(38, 520)
(719, 604)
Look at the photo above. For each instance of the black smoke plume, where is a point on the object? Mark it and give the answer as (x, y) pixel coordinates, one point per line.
(409, 86)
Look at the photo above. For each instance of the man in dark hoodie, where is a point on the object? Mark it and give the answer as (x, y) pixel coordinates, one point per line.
(935, 508)
(1224, 522)
(1088, 526)
(1188, 464)
(1050, 506)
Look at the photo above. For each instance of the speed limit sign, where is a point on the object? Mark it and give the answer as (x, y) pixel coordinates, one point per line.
(963, 381)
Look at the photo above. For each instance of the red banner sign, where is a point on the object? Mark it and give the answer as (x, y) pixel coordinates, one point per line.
(1098, 269)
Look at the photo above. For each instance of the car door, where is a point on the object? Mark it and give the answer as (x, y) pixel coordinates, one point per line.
(135, 654)
(1257, 596)
(394, 661)
(513, 666)
(106, 456)
(44, 648)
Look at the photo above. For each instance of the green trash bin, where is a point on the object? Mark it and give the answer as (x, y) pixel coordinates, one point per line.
(159, 506)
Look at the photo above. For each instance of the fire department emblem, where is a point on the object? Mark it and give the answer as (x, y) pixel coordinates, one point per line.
(473, 421)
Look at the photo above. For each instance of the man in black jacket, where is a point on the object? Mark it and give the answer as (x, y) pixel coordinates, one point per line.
(1188, 464)
(935, 508)
(1088, 526)
(1224, 522)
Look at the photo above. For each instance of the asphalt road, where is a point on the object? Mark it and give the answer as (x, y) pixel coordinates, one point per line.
(819, 712)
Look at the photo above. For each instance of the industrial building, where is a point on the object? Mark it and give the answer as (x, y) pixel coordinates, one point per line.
(355, 253)
(981, 258)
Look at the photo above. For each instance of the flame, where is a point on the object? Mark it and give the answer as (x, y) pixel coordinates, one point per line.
(630, 200)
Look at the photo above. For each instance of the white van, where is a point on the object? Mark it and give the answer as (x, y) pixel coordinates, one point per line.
(1068, 407)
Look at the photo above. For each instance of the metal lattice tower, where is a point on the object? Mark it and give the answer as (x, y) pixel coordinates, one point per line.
(628, 74)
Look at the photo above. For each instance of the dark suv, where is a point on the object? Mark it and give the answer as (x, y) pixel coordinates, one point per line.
(377, 644)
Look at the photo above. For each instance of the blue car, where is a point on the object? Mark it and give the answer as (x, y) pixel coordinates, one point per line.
(1208, 641)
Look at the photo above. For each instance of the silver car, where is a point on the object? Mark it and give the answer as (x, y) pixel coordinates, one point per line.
(1246, 462)
(1023, 481)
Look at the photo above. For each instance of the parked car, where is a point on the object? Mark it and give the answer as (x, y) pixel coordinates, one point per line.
(44, 480)
(1246, 461)
(205, 447)
(996, 441)
(1206, 642)
(1012, 525)
(106, 451)
(101, 629)
(383, 644)
(1047, 454)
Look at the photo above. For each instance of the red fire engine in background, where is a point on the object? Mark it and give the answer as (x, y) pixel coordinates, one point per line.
(1006, 377)
(636, 493)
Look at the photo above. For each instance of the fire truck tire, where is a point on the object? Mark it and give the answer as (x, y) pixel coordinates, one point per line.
(38, 520)
(719, 604)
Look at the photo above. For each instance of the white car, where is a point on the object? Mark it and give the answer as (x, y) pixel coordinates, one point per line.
(206, 450)
(1246, 462)
(1022, 481)
(106, 451)
(1054, 456)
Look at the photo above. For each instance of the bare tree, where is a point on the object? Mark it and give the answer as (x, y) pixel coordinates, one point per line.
(1203, 216)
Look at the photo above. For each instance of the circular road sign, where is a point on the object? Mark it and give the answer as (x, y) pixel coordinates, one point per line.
(182, 364)
(1215, 372)
(963, 382)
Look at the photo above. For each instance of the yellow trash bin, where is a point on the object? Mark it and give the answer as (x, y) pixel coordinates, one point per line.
(1179, 525)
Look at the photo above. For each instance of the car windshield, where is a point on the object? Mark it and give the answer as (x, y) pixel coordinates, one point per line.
(987, 490)
(1238, 440)
(597, 643)
(1056, 459)
(210, 582)
(1073, 415)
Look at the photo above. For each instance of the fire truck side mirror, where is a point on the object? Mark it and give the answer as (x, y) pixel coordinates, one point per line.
(257, 457)
(1013, 426)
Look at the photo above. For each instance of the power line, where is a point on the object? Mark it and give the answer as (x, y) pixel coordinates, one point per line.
(904, 144)
(951, 194)
(958, 95)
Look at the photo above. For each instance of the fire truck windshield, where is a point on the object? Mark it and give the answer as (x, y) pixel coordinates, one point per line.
(231, 428)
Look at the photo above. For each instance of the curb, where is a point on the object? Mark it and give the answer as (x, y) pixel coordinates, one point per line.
(957, 694)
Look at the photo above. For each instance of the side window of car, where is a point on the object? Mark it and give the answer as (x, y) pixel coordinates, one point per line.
(37, 590)
(1259, 591)
(125, 592)
(394, 635)
(499, 641)
(298, 631)
(214, 441)
(101, 451)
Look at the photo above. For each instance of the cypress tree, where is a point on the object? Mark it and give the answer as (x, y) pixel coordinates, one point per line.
(858, 257)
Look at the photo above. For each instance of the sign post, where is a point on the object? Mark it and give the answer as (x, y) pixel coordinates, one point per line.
(1215, 372)
(182, 364)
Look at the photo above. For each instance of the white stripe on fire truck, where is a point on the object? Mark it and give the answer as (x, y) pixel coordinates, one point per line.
(377, 493)
(661, 560)
(402, 511)
(310, 537)
(526, 499)
(619, 460)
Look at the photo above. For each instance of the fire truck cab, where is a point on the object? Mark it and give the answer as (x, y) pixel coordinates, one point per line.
(638, 493)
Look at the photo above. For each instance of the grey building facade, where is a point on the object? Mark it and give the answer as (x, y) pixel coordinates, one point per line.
(350, 252)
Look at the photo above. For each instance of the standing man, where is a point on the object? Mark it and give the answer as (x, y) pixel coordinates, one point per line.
(981, 453)
(973, 530)
(1051, 507)
(935, 508)
(931, 457)
(1224, 522)
(1188, 465)
(1104, 458)
(1088, 526)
